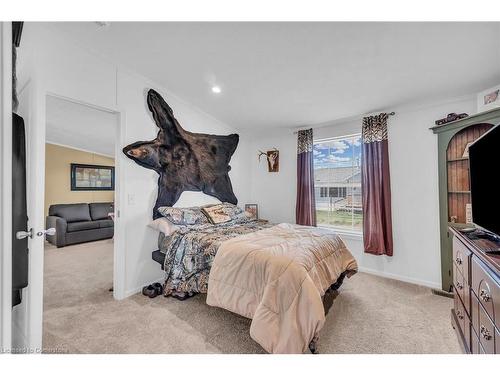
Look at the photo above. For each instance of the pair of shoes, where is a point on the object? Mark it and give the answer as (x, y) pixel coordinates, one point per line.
(152, 290)
(181, 296)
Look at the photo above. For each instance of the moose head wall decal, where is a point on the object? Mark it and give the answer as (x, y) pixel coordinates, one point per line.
(185, 161)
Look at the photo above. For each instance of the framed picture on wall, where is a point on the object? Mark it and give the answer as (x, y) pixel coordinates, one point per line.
(488, 99)
(92, 177)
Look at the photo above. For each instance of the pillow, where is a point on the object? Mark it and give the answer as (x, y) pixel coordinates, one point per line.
(244, 217)
(183, 216)
(100, 211)
(164, 226)
(71, 212)
(216, 214)
(222, 213)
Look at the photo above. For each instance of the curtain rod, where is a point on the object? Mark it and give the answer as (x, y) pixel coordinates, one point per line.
(313, 127)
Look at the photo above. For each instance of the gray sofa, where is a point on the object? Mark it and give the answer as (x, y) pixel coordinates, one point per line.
(79, 222)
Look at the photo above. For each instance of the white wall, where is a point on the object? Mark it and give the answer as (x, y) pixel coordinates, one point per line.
(66, 70)
(275, 192)
(414, 185)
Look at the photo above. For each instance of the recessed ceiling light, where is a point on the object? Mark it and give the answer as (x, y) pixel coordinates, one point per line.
(216, 89)
(102, 24)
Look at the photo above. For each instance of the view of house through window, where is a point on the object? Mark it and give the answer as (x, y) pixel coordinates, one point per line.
(337, 182)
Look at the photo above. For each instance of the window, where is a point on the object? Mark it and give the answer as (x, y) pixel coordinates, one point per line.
(337, 182)
(337, 192)
(324, 192)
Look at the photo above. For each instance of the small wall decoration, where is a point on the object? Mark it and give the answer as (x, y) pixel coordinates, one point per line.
(488, 99)
(253, 210)
(92, 177)
(185, 161)
(273, 159)
(451, 117)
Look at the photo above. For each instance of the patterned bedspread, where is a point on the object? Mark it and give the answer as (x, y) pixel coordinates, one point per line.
(189, 253)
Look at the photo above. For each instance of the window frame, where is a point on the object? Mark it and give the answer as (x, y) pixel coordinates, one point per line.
(350, 232)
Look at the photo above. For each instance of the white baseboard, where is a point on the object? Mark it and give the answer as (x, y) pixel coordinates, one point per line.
(370, 271)
(428, 284)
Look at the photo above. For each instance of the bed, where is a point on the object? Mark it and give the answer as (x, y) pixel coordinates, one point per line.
(274, 274)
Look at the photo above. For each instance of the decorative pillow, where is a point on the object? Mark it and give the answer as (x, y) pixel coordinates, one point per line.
(244, 217)
(222, 213)
(184, 216)
(216, 214)
(164, 226)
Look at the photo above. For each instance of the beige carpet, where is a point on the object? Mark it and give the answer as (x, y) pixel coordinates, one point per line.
(370, 315)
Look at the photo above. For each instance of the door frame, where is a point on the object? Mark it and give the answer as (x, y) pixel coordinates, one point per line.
(119, 233)
(35, 297)
(6, 187)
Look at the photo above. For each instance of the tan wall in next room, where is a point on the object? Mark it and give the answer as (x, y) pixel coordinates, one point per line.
(58, 180)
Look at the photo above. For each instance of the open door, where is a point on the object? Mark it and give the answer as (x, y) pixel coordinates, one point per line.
(26, 216)
(20, 232)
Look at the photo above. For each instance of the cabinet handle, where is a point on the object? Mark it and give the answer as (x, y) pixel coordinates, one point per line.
(460, 316)
(458, 260)
(484, 295)
(459, 286)
(485, 333)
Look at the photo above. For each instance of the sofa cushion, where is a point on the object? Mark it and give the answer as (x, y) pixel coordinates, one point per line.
(88, 235)
(71, 212)
(82, 225)
(99, 211)
(106, 223)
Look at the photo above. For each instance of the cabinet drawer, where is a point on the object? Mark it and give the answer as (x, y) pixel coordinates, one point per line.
(460, 288)
(474, 313)
(486, 287)
(486, 332)
(463, 320)
(461, 256)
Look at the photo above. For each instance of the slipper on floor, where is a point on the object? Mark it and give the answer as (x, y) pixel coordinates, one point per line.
(149, 291)
(159, 288)
(181, 296)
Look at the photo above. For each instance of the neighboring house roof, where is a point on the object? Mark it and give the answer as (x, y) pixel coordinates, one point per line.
(337, 175)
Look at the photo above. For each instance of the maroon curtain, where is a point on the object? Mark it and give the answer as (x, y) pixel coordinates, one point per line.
(305, 209)
(376, 187)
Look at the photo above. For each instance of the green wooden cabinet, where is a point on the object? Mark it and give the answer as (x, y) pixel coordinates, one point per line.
(445, 135)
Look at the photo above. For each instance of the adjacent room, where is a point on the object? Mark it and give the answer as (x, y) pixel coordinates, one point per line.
(79, 206)
(259, 187)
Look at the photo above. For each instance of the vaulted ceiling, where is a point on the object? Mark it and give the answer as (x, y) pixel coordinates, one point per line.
(295, 74)
(81, 127)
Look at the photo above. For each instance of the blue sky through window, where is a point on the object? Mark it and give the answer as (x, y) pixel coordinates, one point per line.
(338, 152)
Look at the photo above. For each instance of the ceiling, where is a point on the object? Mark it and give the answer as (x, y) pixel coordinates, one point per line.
(81, 127)
(296, 74)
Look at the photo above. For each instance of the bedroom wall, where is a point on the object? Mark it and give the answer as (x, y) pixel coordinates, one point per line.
(414, 185)
(63, 68)
(58, 161)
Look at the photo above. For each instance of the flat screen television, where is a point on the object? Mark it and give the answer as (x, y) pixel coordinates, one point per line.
(484, 162)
